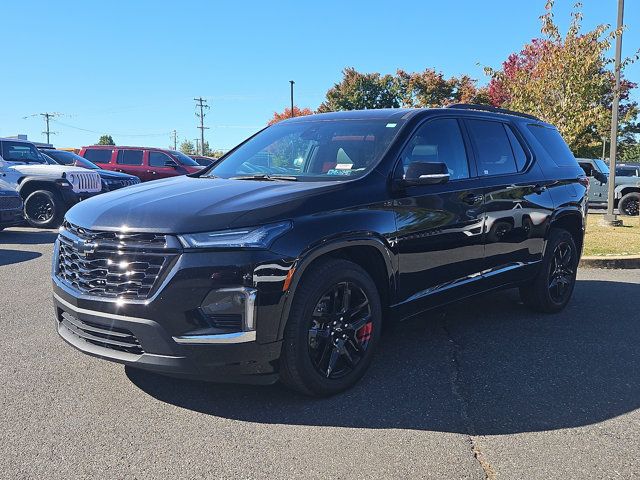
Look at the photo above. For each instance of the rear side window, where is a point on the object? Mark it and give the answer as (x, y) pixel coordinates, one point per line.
(495, 154)
(98, 156)
(159, 159)
(129, 157)
(588, 169)
(553, 144)
(516, 147)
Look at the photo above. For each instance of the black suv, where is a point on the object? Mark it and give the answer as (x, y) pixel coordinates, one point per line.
(284, 260)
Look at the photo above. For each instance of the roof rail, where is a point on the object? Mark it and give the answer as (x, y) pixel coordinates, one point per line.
(489, 108)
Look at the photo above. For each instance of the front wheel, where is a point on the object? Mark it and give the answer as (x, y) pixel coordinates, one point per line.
(333, 329)
(44, 209)
(551, 289)
(630, 204)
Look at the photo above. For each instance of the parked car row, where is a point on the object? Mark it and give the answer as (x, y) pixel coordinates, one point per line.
(627, 185)
(39, 184)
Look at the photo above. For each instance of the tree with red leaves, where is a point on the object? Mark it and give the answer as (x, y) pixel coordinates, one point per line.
(566, 80)
(279, 116)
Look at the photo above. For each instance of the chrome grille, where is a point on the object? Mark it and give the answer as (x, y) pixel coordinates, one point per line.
(102, 336)
(10, 202)
(113, 264)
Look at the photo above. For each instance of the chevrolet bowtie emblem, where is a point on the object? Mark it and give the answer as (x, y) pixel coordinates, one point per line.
(84, 247)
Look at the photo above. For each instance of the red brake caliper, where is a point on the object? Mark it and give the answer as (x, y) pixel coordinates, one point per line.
(364, 334)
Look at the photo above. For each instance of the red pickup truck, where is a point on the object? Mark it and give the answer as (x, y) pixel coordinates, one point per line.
(146, 163)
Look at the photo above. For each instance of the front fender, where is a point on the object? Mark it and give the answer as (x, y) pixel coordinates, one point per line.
(326, 246)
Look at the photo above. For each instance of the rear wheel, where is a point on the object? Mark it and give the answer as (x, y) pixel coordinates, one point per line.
(44, 209)
(552, 287)
(333, 329)
(630, 204)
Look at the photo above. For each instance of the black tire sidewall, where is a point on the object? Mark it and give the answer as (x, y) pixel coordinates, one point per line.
(58, 209)
(308, 294)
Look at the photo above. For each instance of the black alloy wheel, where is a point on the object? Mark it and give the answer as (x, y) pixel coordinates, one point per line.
(630, 204)
(562, 273)
(341, 327)
(43, 209)
(333, 328)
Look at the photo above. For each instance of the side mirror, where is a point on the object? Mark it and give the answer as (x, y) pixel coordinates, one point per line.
(426, 173)
(171, 164)
(601, 177)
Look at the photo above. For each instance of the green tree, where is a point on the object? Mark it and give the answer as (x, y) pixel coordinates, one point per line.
(187, 147)
(106, 140)
(358, 91)
(428, 88)
(567, 81)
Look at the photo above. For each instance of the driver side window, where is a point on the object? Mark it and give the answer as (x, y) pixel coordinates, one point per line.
(439, 140)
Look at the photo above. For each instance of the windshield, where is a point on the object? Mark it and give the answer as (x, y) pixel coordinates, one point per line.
(311, 150)
(21, 152)
(628, 171)
(184, 159)
(603, 167)
(70, 158)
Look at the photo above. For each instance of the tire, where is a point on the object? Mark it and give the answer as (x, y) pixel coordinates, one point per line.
(551, 289)
(313, 340)
(630, 204)
(44, 209)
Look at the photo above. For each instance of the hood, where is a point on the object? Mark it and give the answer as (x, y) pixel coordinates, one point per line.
(44, 169)
(6, 189)
(627, 180)
(186, 204)
(111, 174)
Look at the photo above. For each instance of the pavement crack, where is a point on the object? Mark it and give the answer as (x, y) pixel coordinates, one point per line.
(455, 380)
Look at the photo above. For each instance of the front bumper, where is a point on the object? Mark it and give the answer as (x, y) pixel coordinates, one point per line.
(161, 333)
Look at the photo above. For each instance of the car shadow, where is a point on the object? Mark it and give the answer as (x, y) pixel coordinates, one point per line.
(27, 236)
(486, 365)
(9, 257)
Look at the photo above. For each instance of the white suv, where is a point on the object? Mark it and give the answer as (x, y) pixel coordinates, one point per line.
(48, 190)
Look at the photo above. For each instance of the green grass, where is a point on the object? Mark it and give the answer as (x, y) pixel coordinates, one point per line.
(606, 240)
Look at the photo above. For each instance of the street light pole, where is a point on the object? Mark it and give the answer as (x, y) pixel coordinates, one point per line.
(610, 217)
(292, 112)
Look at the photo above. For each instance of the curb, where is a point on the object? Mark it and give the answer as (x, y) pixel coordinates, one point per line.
(629, 261)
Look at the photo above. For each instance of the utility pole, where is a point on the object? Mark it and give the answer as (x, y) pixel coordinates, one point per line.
(202, 103)
(174, 134)
(47, 116)
(610, 217)
(604, 147)
(292, 112)
(197, 145)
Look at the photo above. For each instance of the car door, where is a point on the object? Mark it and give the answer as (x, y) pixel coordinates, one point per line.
(598, 190)
(157, 165)
(131, 161)
(516, 199)
(439, 227)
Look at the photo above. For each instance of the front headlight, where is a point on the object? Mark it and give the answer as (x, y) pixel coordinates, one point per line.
(250, 237)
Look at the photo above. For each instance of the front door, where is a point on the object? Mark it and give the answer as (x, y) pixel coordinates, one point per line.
(439, 227)
(598, 190)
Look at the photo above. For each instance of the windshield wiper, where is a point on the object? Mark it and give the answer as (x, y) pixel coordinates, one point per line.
(265, 177)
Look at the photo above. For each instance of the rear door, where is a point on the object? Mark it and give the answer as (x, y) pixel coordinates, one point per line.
(131, 161)
(157, 165)
(517, 200)
(439, 227)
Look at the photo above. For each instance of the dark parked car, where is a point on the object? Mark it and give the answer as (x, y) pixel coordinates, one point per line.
(111, 180)
(284, 260)
(142, 162)
(204, 161)
(10, 206)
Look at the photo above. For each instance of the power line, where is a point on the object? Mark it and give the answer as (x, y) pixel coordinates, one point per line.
(164, 134)
(202, 103)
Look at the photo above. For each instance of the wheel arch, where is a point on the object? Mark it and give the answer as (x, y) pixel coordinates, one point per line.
(572, 220)
(371, 253)
(28, 185)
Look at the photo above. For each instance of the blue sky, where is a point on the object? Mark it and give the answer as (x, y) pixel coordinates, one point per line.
(132, 68)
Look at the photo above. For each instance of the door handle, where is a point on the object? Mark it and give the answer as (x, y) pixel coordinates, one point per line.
(539, 189)
(472, 198)
(152, 172)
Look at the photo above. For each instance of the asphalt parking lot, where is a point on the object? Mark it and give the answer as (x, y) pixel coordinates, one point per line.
(484, 389)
